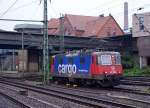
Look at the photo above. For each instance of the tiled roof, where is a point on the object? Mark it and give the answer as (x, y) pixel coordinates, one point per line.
(93, 27)
(89, 25)
(53, 23)
(53, 26)
(52, 31)
(79, 22)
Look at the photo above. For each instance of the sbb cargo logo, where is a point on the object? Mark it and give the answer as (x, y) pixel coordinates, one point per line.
(68, 68)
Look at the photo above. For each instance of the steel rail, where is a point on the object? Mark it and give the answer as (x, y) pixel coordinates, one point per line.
(133, 82)
(81, 99)
(124, 90)
(22, 105)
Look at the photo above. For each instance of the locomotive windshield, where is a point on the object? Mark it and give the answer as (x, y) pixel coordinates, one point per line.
(108, 59)
(104, 60)
(117, 59)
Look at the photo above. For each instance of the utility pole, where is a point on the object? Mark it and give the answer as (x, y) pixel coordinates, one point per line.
(61, 33)
(23, 58)
(45, 46)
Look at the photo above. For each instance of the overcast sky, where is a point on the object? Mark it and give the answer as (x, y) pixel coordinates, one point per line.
(33, 10)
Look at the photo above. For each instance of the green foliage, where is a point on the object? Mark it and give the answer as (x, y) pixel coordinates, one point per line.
(131, 67)
(128, 61)
(136, 71)
(146, 71)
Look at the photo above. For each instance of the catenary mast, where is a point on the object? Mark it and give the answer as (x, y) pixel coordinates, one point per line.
(45, 46)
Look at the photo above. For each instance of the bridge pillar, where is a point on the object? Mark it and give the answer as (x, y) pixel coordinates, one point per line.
(33, 60)
(23, 60)
(28, 60)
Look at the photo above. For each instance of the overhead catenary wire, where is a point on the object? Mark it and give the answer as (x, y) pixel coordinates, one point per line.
(103, 10)
(19, 20)
(17, 8)
(134, 9)
(22, 6)
(119, 13)
(130, 10)
(52, 8)
(9, 8)
(36, 11)
(100, 6)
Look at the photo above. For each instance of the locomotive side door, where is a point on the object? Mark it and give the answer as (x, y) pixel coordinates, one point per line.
(94, 65)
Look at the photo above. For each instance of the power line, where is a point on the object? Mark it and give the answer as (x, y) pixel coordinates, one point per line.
(9, 8)
(115, 6)
(102, 6)
(20, 20)
(118, 13)
(24, 5)
(133, 9)
(53, 9)
(36, 11)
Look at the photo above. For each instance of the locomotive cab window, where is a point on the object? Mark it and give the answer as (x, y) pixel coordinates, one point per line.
(117, 59)
(104, 60)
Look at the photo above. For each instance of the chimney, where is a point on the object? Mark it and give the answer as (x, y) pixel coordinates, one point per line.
(126, 16)
(102, 15)
(110, 14)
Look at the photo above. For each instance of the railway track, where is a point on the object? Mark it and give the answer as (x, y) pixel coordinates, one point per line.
(16, 101)
(77, 98)
(137, 80)
(98, 90)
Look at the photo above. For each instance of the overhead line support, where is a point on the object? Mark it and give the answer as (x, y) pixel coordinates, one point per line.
(45, 46)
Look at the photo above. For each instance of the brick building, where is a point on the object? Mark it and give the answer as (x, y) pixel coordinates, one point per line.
(86, 26)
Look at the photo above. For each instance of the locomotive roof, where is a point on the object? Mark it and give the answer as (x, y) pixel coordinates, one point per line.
(105, 52)
(81, 53)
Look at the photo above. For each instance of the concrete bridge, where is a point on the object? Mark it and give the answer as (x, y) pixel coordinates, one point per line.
(30, 58)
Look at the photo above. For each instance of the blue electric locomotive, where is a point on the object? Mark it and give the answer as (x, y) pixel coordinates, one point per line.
(103, 68)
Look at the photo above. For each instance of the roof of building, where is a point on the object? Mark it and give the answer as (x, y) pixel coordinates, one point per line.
(2, 30)
(53, 23)
(53, 26)
(91, 25)
(79, 22)
(94, 26)
(28, 26)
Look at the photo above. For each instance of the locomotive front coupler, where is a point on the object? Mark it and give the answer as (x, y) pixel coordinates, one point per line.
(108, 77)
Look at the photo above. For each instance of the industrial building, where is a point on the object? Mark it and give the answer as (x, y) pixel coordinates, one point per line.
(141, 31)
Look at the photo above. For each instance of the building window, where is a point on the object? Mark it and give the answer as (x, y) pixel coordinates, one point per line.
(141, 23)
